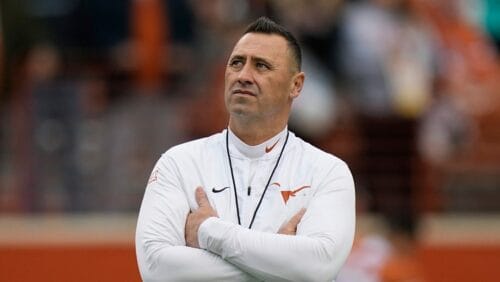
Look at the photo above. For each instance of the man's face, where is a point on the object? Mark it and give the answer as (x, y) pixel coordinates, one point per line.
(260, 77)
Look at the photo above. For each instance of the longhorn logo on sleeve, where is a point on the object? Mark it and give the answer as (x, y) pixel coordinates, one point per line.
(153, 177)
(286, 194)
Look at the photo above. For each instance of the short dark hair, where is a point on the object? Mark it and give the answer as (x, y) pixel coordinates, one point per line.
(268, 26)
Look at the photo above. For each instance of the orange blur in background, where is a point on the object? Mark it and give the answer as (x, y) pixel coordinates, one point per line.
(117, 263)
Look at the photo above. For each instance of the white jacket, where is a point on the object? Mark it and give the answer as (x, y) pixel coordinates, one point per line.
(305, 177)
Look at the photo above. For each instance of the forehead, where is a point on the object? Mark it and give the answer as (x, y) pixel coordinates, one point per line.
(266, 46)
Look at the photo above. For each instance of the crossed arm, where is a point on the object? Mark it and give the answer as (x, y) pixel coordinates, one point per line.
(205, 210)
(167, 262)
(169, 236)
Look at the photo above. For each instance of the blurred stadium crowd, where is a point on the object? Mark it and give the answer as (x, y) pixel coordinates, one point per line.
(406, 91)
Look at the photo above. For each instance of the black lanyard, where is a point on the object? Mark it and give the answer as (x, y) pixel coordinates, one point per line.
(267, 185)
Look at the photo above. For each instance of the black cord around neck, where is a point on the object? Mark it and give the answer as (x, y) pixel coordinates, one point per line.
(267, 184)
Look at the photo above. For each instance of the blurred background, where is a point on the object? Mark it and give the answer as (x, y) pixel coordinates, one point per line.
(407, 92)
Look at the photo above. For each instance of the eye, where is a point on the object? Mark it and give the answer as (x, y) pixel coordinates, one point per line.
(262, 66)
(236, 63)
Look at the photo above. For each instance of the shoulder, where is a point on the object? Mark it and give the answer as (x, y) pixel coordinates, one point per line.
(322, 166)
(315, 155)
(196, 148)
(326, 170)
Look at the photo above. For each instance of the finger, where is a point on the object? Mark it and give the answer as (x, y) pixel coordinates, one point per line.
(201, 197)
(294, 221)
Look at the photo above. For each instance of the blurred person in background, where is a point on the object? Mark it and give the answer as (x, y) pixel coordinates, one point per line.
(386, 253)
(46, 114)
(253, 202)
(386, 62)
(403, 262)
(56, 116)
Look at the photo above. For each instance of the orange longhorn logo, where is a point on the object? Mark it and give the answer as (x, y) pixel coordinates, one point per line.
(290, 193)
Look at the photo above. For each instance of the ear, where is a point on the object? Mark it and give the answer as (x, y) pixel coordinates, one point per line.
(297, 84)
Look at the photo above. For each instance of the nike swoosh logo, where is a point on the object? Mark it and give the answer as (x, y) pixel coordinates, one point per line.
(219, 190)
(269, 149)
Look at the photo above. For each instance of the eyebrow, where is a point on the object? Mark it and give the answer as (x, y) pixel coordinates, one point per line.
(253, 58)
(240, 57)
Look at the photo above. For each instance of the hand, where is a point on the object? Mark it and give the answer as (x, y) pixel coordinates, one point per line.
(196, 218)
(290, 227)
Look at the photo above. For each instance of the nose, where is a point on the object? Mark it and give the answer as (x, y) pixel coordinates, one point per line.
(245, 75)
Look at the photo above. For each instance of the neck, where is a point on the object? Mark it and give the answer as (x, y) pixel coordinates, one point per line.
(255, 133)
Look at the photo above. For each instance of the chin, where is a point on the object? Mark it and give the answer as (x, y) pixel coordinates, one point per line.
(240, 110)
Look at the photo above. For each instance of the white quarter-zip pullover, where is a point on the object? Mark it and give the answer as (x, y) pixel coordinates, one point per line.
(305, 177)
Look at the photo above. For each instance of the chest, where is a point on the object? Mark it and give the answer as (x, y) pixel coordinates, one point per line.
(251, 191)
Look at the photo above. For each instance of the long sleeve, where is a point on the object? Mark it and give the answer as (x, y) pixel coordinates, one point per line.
(160, 244)
(321, 246)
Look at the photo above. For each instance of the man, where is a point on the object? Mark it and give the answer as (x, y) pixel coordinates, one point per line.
(253, 202)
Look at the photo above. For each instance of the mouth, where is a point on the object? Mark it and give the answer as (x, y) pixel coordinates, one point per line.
(243, 92)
